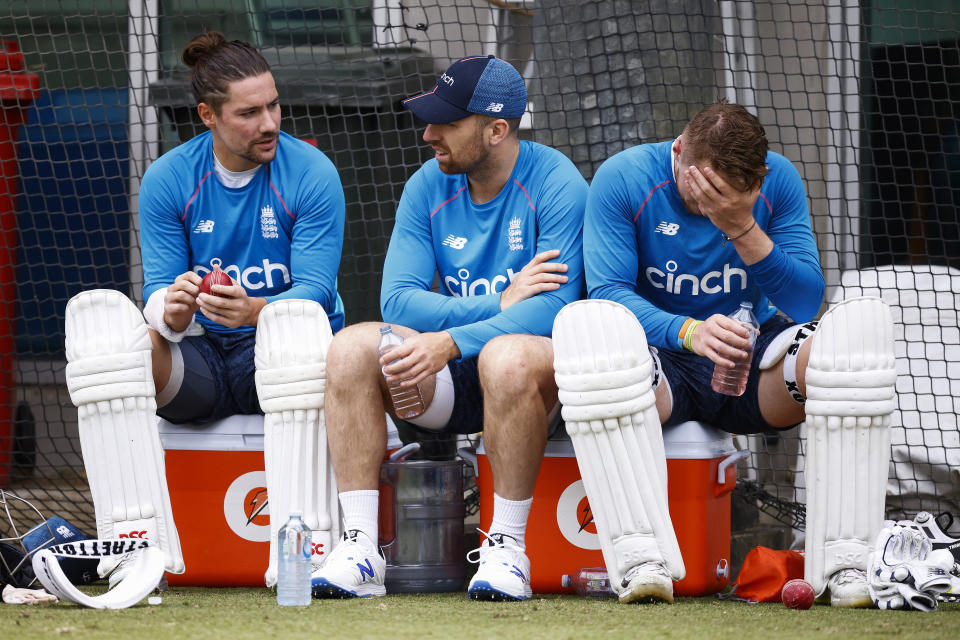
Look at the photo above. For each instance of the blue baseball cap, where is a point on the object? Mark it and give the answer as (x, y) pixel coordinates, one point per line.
(479, 84)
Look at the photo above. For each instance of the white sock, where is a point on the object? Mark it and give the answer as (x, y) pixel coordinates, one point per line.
(360, 511)
(510, 518)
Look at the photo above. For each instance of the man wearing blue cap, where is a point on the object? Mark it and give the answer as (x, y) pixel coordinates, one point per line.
(500, 220)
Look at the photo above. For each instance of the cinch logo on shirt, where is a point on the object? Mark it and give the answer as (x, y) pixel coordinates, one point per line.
(253, 278)
(204, 226)
(667, 228)
(688, 284)
(454, 242)
(464, 287)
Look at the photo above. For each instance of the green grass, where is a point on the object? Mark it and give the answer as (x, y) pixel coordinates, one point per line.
(253, 613)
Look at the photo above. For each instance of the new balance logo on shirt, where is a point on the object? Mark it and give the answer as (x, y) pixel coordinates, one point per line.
(204, 226)
(667, 228)
(454, 242)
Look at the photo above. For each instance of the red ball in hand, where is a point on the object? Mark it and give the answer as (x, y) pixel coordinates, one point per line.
(797, 594)
(217, 276)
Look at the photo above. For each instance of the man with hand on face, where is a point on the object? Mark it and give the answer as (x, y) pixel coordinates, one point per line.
(500, 219)
(677, 234)
(269, 210)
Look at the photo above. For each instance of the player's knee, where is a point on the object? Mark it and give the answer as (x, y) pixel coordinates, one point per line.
(353, 351)
(513, 364)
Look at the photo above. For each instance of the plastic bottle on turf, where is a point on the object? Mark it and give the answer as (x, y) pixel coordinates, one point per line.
(732, 381)
(293, 563)
(407, 403)
(591, 581)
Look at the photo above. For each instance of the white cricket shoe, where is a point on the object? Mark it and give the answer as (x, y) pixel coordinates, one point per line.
(847, 589)
(354, 569)
(647, 582)
(504, 571)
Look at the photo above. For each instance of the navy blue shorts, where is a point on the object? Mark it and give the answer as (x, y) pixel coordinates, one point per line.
(218, 378)
(467, 414)
(693, 398)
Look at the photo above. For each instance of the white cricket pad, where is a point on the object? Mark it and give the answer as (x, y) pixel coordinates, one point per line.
(110, 377)
(850, 398)
(604, 374)
(144, 573)
(291, 351)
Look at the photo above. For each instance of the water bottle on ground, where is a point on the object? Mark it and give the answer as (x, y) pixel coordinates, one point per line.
(407, 403)
(732, 381)
(294, 566)
(592, 581)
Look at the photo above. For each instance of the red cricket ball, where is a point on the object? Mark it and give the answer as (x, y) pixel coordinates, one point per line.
(217, 276)
(797, 594)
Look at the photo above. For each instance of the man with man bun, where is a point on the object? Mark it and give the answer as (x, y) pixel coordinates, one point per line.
(266, 209)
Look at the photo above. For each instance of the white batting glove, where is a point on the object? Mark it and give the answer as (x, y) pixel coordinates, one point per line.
(13, 595)
(900, 575)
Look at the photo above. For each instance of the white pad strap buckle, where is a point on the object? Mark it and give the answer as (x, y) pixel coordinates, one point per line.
(144, 573)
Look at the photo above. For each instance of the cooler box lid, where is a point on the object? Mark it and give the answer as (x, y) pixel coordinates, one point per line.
(696, 441)
(236, 433)
(686, 441)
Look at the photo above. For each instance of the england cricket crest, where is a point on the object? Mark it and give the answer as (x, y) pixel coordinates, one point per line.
(268, 222)
(515, 234)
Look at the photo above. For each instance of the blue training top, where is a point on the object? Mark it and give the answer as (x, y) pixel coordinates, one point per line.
(280, 235)
(643, 249)
(479, 248)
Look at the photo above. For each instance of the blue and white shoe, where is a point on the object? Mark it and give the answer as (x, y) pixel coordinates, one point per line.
(504, 571)
(354, 569)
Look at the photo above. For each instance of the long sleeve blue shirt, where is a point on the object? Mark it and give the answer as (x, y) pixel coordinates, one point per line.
(280, 235)
(478, 249)
(643, 249)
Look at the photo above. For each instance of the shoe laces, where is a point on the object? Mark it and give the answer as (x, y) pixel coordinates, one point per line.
(351, 543)
(495, 545)
(646, 567)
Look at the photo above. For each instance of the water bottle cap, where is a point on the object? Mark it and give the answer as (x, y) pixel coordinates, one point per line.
(296, 514)
(746, 305)
(385, 329)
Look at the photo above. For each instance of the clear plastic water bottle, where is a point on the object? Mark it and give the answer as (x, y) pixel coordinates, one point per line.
(732, 381)
(293, 563)
(591, 581)
(407, 403)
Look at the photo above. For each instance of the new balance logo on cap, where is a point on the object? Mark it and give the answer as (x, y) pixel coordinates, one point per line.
(485, 85)
(667, 228)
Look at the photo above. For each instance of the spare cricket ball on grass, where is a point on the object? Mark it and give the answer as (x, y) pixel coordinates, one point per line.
(797, 594)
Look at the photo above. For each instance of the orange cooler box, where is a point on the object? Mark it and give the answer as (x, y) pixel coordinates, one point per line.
(218, 490)
(561, 537)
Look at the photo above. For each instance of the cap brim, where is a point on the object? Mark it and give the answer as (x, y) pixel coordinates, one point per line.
(433, 109)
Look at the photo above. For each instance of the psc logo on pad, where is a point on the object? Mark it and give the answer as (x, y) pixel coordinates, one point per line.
(133, 534)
